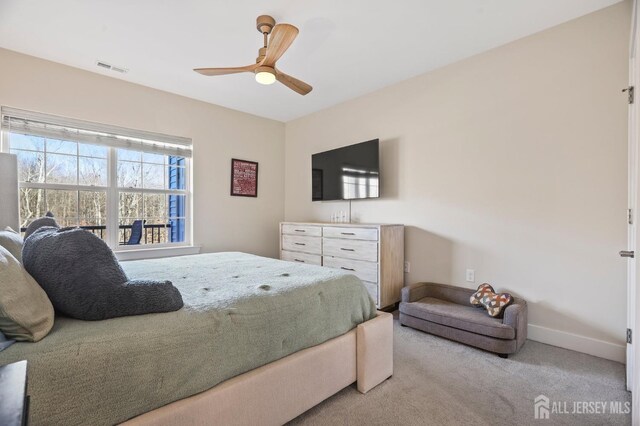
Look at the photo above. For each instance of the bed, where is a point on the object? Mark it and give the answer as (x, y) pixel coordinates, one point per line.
(258, 340)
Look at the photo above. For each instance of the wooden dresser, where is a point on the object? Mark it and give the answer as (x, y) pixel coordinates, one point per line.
(372, 252)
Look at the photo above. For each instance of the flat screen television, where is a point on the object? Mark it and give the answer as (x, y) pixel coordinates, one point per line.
(348, 173)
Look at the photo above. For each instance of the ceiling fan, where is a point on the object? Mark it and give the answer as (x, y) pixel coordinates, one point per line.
(279, 38)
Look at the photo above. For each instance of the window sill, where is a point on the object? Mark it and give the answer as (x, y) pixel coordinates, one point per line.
(155, 253)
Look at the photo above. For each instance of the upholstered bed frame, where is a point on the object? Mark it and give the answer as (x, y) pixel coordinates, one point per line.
(282, 390)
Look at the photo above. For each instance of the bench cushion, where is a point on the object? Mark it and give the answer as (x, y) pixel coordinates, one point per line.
(458, 316)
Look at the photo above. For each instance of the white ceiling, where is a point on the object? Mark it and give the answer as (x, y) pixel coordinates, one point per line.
(345, 48)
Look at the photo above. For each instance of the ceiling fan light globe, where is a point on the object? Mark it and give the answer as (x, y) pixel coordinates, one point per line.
(265, 77)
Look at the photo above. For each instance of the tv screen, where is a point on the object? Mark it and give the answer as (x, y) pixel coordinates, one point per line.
(347, 173)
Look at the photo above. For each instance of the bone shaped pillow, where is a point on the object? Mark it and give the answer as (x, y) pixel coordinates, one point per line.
(493, 302)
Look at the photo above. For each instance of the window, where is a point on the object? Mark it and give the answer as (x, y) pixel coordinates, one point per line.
(151, 189)
(359, 183)
(129, 188)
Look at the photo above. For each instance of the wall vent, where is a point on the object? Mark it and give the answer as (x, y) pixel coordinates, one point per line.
(108, 66)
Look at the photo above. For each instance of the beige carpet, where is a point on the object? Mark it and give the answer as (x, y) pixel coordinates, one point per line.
(440, 382)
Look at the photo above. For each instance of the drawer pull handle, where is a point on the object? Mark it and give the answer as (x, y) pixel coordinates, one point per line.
(300, 244)
(345, 249)
(347, 269)
(348, 233)
(299, 260)
(300, 230)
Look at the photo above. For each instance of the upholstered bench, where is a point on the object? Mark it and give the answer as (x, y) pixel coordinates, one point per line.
(445, 311)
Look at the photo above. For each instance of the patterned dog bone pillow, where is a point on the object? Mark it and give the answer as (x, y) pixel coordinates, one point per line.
(496, 303)
(483, 290)
(493, 302)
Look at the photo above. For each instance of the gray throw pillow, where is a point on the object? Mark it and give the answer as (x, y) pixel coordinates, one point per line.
(84, 280)
(12, 241)
(25, 311)
(47, 220)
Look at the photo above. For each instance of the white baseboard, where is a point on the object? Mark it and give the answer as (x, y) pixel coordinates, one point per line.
(575, 342)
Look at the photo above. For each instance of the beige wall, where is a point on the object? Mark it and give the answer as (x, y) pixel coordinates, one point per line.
(512, 163)
(221, 222)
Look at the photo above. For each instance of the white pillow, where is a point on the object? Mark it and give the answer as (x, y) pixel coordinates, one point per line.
(26, 312)
(12, 241)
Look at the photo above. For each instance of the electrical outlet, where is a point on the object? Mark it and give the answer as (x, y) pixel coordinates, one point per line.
(471, 275)
(407, 267)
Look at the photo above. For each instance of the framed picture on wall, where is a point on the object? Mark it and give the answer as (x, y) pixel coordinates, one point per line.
(244, 178)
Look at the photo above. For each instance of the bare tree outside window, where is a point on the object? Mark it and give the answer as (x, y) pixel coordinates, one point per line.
(71, 180)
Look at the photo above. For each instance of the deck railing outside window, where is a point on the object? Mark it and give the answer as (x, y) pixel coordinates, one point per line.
(152, 234)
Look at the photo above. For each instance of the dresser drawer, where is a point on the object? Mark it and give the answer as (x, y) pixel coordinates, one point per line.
(292, 256)
(366, 271)
(350, 233)
(312, 245)
(311, 231)
(372, 289)
(351, 249)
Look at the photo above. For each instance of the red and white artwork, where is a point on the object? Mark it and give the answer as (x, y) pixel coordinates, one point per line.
(244, 178)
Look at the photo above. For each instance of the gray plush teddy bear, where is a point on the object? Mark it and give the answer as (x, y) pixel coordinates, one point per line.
(83, 278)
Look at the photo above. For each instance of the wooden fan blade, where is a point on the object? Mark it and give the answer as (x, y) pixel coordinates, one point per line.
(279, 41)
(223, 71)
(293, 83)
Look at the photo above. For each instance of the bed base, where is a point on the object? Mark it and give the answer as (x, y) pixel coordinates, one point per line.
(282, 390)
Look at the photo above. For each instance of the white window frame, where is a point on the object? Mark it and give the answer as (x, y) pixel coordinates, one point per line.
(116, 137)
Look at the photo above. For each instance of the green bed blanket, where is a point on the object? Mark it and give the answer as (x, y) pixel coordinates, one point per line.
(241, 312)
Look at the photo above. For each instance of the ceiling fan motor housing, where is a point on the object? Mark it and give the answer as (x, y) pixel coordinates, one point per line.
(263, 68)
(265, 23)
(261, 54)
